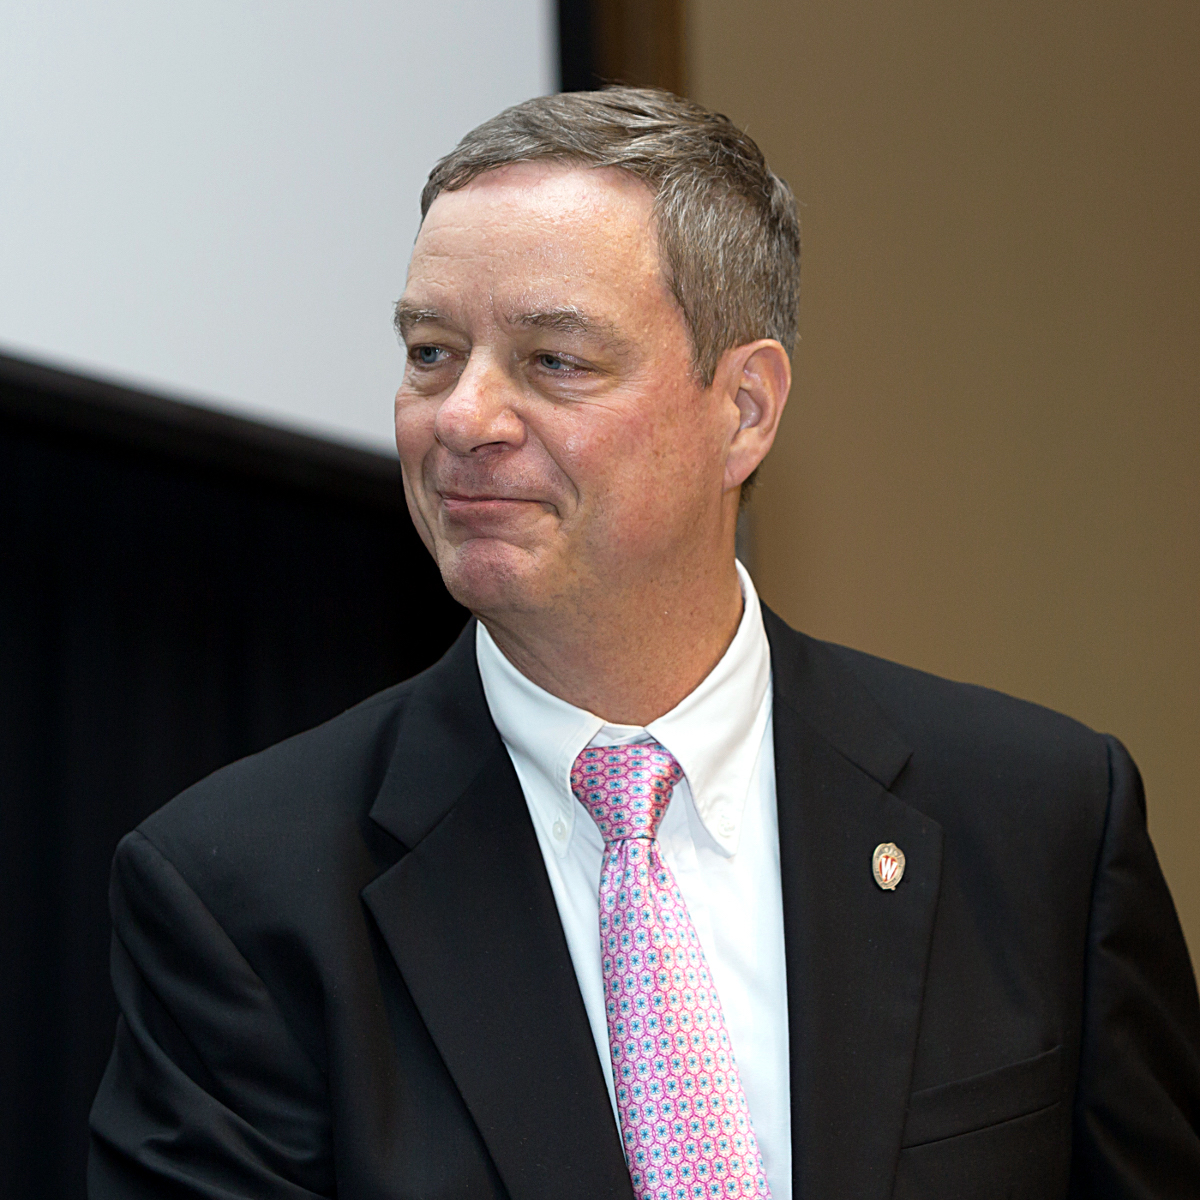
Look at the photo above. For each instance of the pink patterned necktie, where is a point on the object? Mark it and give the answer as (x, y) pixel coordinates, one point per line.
(685, 1122)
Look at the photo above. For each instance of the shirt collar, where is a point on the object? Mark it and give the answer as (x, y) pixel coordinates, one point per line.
(715, 732)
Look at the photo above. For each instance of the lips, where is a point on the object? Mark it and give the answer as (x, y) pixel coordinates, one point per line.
(488, 513)
(452, 500)
(484, 498)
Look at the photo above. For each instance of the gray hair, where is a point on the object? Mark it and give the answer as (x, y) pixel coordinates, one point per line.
(728, 233)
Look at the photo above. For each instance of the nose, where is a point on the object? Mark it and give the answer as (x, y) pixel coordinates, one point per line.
(478, 414)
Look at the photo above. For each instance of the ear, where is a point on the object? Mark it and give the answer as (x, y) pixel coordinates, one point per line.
(756, 379)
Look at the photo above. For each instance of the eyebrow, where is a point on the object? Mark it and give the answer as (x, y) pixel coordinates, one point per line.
(564, 319)
(569, 319)
(409, 316)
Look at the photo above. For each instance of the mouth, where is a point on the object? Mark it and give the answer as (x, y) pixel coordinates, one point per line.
(455, 501)
(484, 511)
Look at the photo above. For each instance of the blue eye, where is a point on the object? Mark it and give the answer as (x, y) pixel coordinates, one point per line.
(551, 362)
(427, 356)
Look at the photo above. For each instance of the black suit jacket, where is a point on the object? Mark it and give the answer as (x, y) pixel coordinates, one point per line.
(341, 969)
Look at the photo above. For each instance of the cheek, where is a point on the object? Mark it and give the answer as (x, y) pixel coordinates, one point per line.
(414, 432)
(623, 480)
(417, 516)
(671, 447)
(600, 457)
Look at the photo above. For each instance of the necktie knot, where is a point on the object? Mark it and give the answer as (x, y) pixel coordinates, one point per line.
(625, 789)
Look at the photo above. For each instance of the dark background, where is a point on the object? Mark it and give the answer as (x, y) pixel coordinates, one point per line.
(177, 589)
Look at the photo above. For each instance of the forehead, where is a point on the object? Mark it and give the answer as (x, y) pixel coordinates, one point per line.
(541, 228)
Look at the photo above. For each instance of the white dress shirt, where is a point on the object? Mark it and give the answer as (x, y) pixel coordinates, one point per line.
(720, 838)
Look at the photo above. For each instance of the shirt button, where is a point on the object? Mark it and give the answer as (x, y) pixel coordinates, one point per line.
(560, 830)
(726, 826)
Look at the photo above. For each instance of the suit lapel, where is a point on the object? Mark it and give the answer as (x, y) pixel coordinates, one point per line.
(470, 918)
(856, 955)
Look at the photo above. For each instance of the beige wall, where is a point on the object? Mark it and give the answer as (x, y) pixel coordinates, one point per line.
(991, 464)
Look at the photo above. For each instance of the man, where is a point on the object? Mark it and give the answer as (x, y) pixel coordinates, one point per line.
(639, 892)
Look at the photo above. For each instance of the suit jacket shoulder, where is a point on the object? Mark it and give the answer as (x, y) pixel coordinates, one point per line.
(964, 723)
(294, 820)
(961, 726)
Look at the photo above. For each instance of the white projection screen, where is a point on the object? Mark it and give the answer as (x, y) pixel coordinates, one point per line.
(215, 201)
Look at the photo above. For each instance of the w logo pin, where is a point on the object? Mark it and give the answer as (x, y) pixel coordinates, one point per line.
(887, 865)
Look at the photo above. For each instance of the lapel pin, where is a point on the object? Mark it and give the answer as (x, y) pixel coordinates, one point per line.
(887, 865)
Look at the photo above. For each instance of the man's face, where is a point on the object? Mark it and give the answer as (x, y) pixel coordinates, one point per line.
(557, 451)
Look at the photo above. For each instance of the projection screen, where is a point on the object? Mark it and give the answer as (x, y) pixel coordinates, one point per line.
(216, 201)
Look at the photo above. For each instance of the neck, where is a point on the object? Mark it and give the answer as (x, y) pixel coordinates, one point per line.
(628, 659)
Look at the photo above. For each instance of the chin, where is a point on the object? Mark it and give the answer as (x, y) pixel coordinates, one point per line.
(489, 576)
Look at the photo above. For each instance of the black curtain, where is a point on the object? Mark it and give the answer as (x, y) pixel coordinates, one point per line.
(177, 590)
(576, 46)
